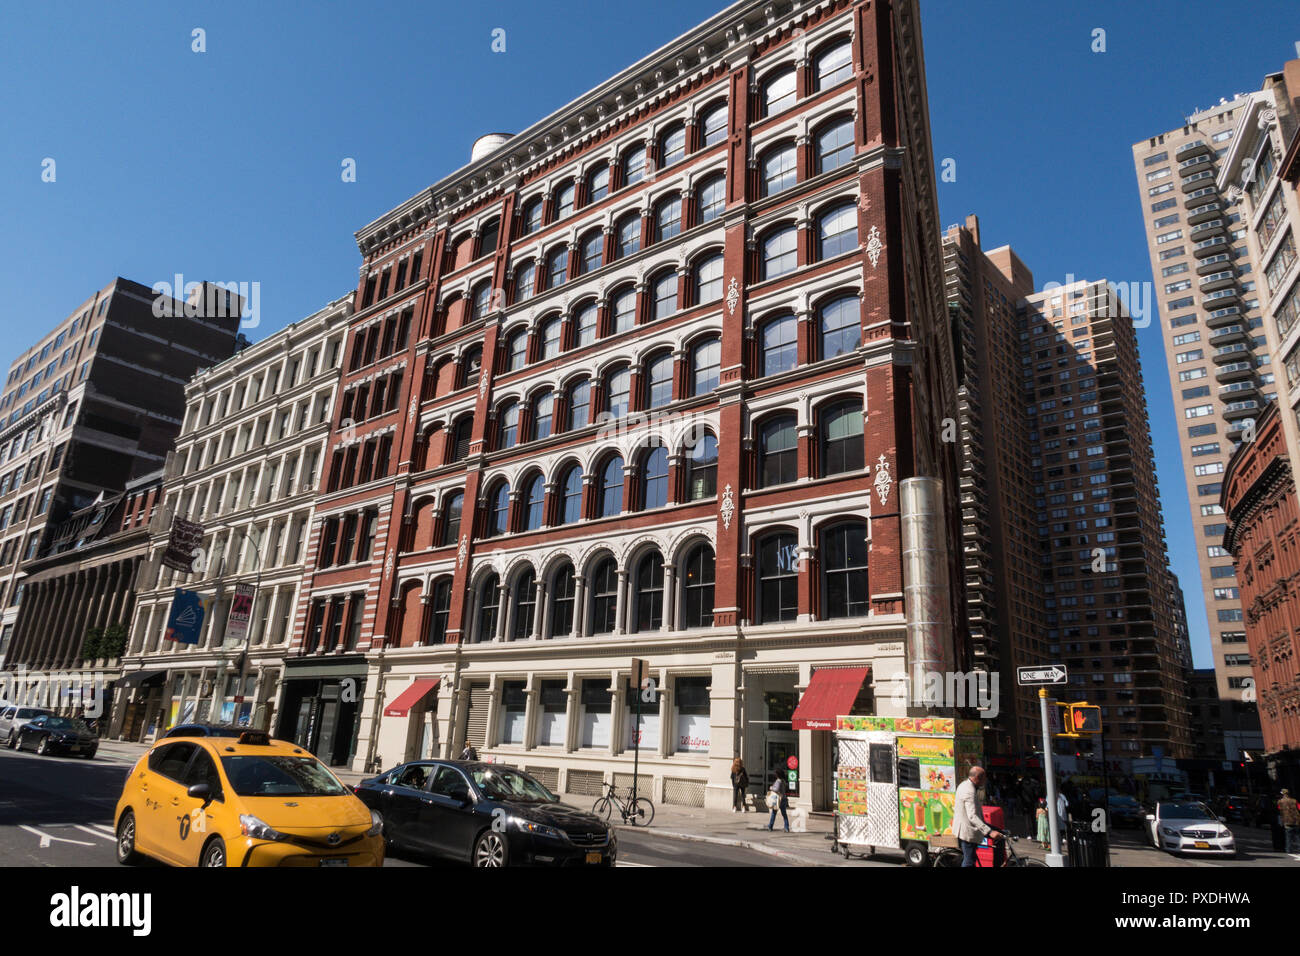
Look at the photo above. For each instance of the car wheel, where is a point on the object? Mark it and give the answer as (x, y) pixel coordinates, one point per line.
(126, 852)
(214, 854)
(490, 849)
(12, 741)
(43, 747)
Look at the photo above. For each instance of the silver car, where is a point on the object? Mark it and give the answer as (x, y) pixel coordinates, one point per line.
(12, 719)
(1183, 826)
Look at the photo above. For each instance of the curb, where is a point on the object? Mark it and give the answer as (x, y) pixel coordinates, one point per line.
(720, 841)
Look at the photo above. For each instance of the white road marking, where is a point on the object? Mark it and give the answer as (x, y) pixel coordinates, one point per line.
(624, 863)
(46, 838)
(105, 827)
(99, 833)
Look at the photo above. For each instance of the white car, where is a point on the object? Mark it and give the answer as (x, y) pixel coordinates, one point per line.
(1181, 826)
(12, 719)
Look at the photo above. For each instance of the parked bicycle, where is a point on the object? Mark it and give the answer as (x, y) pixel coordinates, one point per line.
(952, 857)
(638, 813)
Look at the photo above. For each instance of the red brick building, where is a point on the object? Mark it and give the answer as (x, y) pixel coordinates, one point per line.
(642, 381)
(1263, 536)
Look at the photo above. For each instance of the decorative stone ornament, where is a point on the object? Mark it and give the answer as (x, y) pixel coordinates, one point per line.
(728, 507)
(874, 246)
(733, 296)
(883, 480)
(483, 384)
(462, 551)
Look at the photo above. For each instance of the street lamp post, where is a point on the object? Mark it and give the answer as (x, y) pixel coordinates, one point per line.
(248, 630)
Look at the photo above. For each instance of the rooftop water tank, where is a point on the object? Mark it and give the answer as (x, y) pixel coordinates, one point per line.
(488, 144)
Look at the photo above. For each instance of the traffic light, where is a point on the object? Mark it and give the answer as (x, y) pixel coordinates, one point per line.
(1084, 719)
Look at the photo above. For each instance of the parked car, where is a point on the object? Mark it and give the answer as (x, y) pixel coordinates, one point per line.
(1125, 811)
(13, 718)
(49, 734)
(199, 729)
(247, 801)
(485, 814)
(1178, 826)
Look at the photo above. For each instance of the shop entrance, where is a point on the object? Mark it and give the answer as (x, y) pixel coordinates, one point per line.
(778, 747)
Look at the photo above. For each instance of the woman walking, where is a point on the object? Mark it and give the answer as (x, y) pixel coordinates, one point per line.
(778, 798)
(1043, 836)
(739, 784)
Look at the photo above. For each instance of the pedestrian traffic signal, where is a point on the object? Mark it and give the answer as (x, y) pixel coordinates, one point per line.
(1085, 719)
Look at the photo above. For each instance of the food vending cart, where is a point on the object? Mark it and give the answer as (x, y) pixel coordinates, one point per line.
(896, 782)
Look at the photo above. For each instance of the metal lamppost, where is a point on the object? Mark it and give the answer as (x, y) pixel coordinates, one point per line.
(248, 630)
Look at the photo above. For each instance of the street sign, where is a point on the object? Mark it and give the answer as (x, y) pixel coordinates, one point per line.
(1085, 719)
(1039, 676)
(639, 672)
(1054, 721)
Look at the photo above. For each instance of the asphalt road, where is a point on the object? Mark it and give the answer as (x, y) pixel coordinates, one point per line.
(58, 811)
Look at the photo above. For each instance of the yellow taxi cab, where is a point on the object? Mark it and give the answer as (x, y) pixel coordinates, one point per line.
(245, 801)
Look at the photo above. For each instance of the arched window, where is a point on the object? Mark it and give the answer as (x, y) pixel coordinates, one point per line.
(604, 597)
(649, 585)
(697, 588)
(623, 311)
(499, 513)
(833, 145)
(779, 346)
(564, 196)
(708, 280)
(482, 299)
(837, 231)
(543, 415)
(672, 145)
(654, 478)
(471, 364)
(702, 468)
(571, 506)
(841, 329)
(706, 366)
(713, 125)
(524, 593)
(778, 579)
(778, 169)
(579, 403)
(842, 445)
(633, 165)
(487, 239)
(611, 487)
(563, 592)
(598, 183)
(584, 323)
(712, 197)
(618, 392)
(439, 612)
(489, 604)
(844, 569)
(525, 281)
(659, 381)
(777, 448)
(591, 251)
(665, 295)
(628, 235)
(780, 252)
(557, 267)
(534, 515)
(668, 218)
(778, 92)
(833, 65)
(451, 519)
(551, 330)
(531, 219)
(508, 433)
(517, 350)
(461, 436)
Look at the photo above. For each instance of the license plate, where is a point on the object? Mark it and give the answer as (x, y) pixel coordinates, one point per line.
(593, 857)
(334, 861)
(74, 748)
(1201, 845)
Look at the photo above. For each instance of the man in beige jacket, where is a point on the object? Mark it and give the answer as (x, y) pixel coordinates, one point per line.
(968, 824)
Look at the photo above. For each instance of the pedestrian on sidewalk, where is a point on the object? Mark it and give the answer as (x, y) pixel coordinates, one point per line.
(469, 753)
(1044, 838)
(1062, 814)
(968, 824)
(739, 785)
(778, 798)
(1290, 813)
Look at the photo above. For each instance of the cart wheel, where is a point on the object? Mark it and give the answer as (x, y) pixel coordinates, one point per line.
(835, 846)
(846, 853)
(917, 854)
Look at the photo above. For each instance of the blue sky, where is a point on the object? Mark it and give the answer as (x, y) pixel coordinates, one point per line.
(226, 164)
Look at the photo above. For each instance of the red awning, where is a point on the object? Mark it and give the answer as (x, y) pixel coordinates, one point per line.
(408, 698)
(830, 693)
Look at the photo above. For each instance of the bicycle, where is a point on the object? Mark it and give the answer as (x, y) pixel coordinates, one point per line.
(951, 857)
(638, 813)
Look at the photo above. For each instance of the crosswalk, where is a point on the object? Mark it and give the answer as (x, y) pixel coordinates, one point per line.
(101, 830)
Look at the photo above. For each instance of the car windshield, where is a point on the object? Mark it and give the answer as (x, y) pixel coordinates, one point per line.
(1186, 811)
(29, 712)
(505, 784)
(280, 776)
(66, 723)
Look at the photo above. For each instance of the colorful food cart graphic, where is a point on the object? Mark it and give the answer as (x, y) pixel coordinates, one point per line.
(927, 749)
(902, 725)
(970, 751)
(925, 813)
(935, 777)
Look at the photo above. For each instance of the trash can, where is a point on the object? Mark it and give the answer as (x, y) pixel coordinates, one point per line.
(1087, 847)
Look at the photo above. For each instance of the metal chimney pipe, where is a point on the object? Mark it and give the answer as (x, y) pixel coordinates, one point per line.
(926, 587)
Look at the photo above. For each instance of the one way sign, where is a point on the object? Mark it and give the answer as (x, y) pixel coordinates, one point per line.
(1039, 676)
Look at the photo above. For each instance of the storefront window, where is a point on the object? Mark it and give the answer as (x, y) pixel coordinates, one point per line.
(512, 712)
(692, 701)
(551, 728)
(649, 723)
(596, 713)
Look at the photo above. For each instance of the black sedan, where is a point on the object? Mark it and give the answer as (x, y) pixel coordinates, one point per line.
(485, 814)
(195, 729)
(49, 734)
